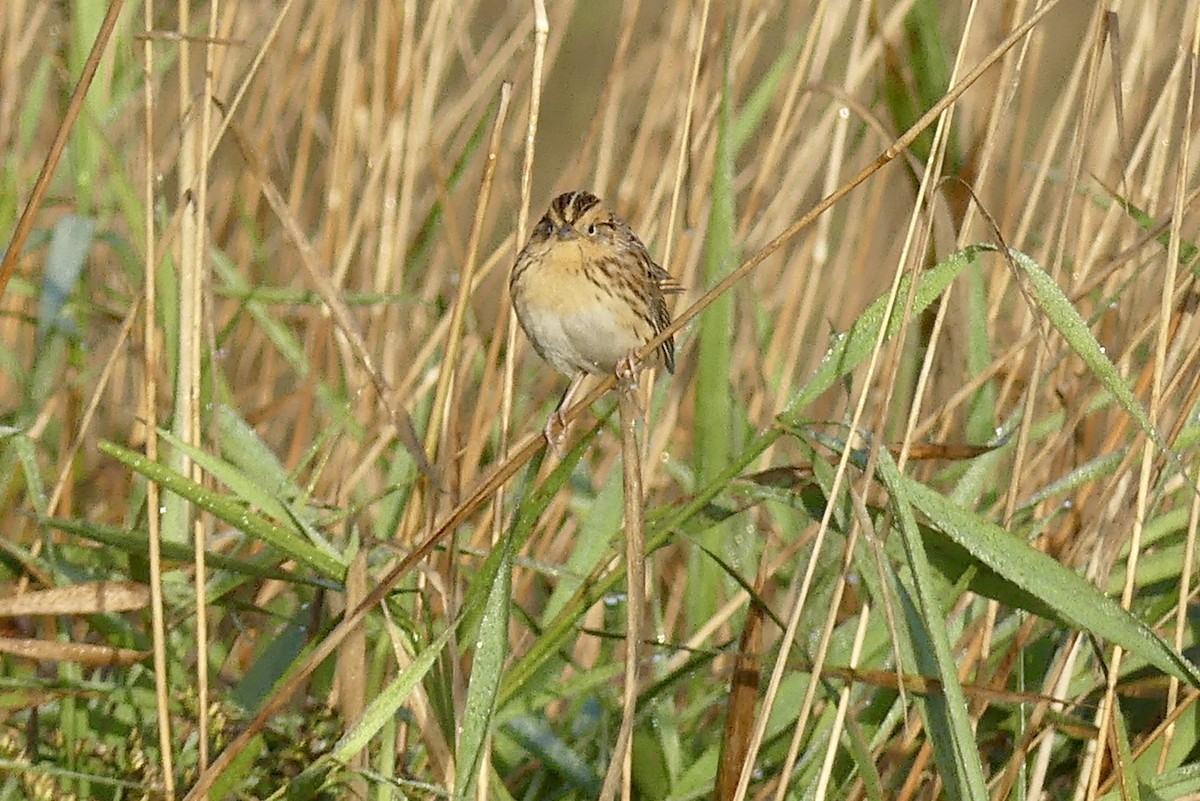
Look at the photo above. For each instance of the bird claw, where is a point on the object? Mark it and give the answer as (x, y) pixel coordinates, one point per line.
(556, 439)
(555, 430)
(627, 370)
(627, 373)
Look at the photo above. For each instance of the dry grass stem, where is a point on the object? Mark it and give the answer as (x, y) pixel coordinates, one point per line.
(257, 266)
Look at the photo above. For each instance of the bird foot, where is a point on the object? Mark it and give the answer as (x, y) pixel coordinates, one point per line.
(627, 371)
(555, 439)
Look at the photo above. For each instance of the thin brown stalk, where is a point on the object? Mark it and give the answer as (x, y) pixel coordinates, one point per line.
(620, 767)
(148, 411)
(16, 245)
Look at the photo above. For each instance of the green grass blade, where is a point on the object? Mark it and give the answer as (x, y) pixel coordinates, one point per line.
(388, 703)
(229, 510)
(1061, 313)
(249, 489)
(981, 410)
(536, 736)
(850, 349)
(760, 100)
(257, 463)
(1069, 596)
(69, 247)
(714, 423)
(26, 452)
(136, 543)
(273, 662)
(533, 503)
(596, 532)
(1090, 471)
(947, 718)
(486, 670)
(1174, 785)
(280, 335)
(1128, 779)
(1187, 248)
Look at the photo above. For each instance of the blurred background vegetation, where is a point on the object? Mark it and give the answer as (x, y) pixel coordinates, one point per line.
(275, 235)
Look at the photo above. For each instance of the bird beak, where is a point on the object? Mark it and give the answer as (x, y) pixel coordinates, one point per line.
(566, 232)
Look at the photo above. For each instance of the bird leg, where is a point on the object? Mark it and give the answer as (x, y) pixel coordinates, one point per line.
(558, 416)
(627, 370)
(627, 373)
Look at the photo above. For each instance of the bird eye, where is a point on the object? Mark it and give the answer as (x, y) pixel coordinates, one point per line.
(591, 229)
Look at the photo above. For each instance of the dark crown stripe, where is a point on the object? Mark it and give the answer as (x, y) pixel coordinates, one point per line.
(573, 205)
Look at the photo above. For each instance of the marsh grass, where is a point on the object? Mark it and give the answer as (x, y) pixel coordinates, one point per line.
(226, 313)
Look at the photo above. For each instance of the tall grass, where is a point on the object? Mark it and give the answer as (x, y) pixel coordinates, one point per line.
(920, 501)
